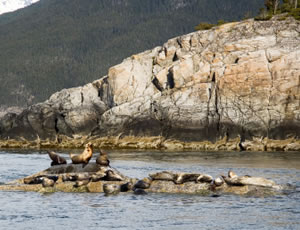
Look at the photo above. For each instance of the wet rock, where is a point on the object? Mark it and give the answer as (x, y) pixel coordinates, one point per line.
(81, 183)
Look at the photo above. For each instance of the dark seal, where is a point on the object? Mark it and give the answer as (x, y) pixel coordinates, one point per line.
(56, 159)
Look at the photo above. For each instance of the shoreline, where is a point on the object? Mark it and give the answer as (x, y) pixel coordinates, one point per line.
(156, 143)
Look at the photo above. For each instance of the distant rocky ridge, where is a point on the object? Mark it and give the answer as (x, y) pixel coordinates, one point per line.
(240, 79)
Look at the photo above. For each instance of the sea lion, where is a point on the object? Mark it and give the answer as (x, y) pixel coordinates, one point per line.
(56, 159)
(102, 159)
(85, 156)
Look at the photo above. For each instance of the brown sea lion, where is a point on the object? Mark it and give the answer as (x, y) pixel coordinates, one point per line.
(85, 156)
(56, 159)
(102, 159)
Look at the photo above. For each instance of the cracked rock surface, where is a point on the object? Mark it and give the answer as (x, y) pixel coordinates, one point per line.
(238, 79)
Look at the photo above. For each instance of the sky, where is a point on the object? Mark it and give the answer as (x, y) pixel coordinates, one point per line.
(12, 5)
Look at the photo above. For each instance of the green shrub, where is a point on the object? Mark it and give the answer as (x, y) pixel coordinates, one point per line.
(204, 26)
(221, 22)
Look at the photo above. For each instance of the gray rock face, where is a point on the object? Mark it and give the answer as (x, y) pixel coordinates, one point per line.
(237, 79)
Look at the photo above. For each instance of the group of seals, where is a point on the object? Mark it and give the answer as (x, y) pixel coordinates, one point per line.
(180, 178)
(82, 158)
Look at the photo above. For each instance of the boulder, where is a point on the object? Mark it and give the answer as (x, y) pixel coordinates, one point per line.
(239, 80)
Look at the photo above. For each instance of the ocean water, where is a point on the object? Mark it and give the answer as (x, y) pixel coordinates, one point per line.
(31, 210)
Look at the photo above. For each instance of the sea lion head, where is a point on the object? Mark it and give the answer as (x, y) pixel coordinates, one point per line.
(89, 146)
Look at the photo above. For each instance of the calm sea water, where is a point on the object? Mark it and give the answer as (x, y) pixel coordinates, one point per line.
(29, 210)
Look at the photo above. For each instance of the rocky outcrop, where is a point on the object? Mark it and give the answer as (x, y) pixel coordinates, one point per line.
(237, 80)
(95, 178)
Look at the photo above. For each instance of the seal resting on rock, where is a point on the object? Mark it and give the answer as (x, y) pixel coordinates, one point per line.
(249, 180)
(111, 189)
(142, 184)
(126, 187)
(181, 178)
(56, 159)
(204, 178)
(85, 156)
(218, 182)
(46, 182)
(102, 159)
(164, 175)
(231, 174)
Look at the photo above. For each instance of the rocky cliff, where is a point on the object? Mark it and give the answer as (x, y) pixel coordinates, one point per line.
(239, 79)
